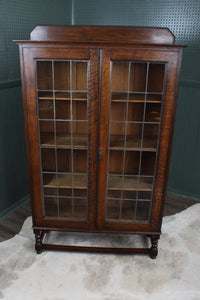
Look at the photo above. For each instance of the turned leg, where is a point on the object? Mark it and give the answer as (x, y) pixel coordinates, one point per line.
(154, 247)
(38, 240)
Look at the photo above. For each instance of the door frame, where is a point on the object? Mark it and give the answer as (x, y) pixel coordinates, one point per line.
(171, 59)
(29, 54)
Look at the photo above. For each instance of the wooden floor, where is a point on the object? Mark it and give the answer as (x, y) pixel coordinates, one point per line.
(13, 223)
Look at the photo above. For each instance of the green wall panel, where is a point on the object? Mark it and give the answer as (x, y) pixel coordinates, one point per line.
(13, 171)
(185, 163)
(17, 19)
(183, 19)
(180, 16)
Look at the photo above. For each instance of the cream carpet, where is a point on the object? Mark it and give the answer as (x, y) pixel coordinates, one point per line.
(174, 275)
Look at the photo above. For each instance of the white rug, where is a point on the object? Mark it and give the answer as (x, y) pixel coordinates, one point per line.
(174, 275)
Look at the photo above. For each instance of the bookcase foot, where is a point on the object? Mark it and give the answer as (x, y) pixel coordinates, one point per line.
(154, 247)
(39, 234)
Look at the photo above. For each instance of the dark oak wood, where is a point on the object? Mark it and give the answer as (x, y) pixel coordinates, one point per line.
(66, 67)
(107, 250)
(111, 34)
(154, 247)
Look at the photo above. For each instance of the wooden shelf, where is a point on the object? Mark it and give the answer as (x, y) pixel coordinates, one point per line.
(85, 99)
(65, 181)
(114, 182)
(76, 96)
(136, 97)
(132, 143)
(62, 98)
(130, 184)
(135, 100)
(64, 140)
(116, 142)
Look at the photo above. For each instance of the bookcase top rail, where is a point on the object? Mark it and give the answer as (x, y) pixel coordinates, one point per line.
(105, 34)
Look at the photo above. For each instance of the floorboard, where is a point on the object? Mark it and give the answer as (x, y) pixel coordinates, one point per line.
(12, 224)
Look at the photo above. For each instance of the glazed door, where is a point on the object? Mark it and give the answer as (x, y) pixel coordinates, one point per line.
(62, 106)
(136, 107)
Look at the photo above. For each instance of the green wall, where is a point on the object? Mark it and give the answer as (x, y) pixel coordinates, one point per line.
(17, 19)
(183, 19)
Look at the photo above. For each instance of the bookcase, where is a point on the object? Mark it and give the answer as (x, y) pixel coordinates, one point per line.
(99, 110)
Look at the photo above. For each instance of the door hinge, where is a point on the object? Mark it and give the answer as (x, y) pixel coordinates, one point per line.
(100, 153)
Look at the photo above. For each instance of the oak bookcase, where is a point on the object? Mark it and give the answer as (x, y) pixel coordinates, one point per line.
(99, 107)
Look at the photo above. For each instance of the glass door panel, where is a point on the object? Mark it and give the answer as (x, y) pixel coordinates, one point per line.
(136, 98)
(62, 94)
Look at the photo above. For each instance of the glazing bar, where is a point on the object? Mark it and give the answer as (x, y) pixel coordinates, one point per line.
(88, 133)
(72, 160)
(54, 112)
(158, 138)
(108, 159)
(41, 168)
(125, 136)
(140, 161)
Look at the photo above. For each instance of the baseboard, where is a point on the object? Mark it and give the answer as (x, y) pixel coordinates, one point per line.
(179, 193)
(9, 210)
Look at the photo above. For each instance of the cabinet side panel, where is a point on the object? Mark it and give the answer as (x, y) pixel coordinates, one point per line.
(177, 63)
(32, 138)
(23, 84)
(166, 137)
